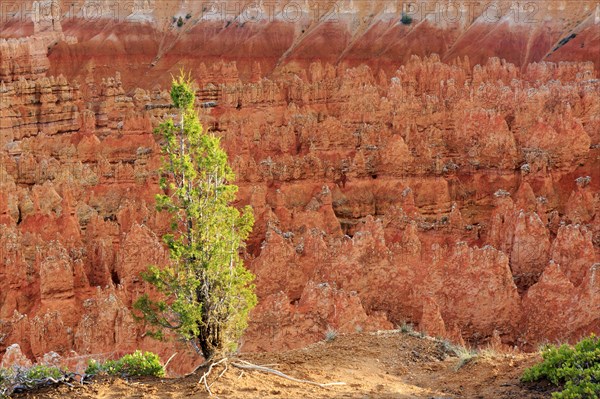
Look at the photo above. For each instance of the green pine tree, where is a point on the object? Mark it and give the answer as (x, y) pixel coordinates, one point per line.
(206, 292)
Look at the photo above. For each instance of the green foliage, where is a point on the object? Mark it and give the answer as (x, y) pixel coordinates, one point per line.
(40, 371)
(576, 368)
(465, 355)
(331, 334)
(5, 382)
(206, 292)
(31, 378)
(180, 22)
(4, 375)
(136, 364)
(94, 367)
(406, 328)
(188, 16)
(406, 19)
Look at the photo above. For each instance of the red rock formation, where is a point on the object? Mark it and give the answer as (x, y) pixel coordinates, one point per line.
(554, 302)
(442, 194)
(23, 58)
(432, 322)
(13, 357)
(319, 308)
(573, 249)
(140, 38)
(530, 249)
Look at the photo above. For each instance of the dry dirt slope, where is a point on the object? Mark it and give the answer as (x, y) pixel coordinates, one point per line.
(378, 365)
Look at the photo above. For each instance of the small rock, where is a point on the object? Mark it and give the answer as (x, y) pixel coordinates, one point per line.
(14, 357)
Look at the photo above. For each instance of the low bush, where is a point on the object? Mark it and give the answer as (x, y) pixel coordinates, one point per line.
(465, 355)
(4, 376)
(575, 368)
(22, 379)
(331, 334)
(41, 371)
(406, 328)
(136, 364)
(4, 382)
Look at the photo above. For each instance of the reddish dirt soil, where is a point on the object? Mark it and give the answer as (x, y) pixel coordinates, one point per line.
(373, 365)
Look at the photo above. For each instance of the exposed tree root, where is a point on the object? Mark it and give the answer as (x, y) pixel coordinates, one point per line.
(197, 369)
(169, 361)
(224, 371)
(204, 378)
(243, 365)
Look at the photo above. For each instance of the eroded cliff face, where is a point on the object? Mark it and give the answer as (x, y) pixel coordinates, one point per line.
(461, 197)
(143, 41)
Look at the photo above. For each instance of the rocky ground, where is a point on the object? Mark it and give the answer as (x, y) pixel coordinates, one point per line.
(373, 365)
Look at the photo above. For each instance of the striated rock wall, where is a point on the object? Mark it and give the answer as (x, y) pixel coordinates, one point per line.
(23, 58)
(463, 199)
(142, 39)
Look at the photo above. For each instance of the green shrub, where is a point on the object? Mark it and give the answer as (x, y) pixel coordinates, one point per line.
(406, 19)
(31, 378)
(40, 371)
(576, 369)
(5, 381)
(94, 367)
(188, 16)
(465, 356)
(133, 365)
(180, 22)
(4, 376)
(406, 327)
(331, 334)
